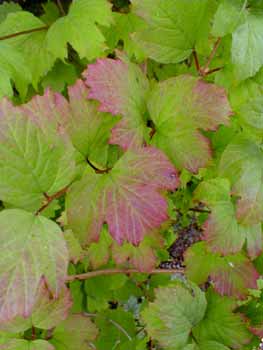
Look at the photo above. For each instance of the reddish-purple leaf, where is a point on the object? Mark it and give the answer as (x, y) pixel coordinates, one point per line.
(128, 199)
(121, 88)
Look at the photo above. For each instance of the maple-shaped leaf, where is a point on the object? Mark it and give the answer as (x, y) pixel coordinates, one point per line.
(179, 107)
(76, 332)
(36, 156)
(47, 311)
(221, 230)
(241, 163)
(31, 46)
(13, 68)
(231, 275)
(121, 88)
(36, 249)
(124, 25)
(221, 324)
(174, 27)
(22, 344)
(172, 322)
(88, 128)
(79, 28)
(128, 198)
(247, 47)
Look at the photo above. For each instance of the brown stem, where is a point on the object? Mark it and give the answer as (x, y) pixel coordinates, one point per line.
(211, 56)
(91, 274)
(49, 199)
(214, 70)
(61, 8)
(33, 333)
(198, 210)
(97, 170)
(197, 65)
(9, 36)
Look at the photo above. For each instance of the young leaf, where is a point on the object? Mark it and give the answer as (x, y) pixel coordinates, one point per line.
(241, 163)
(6, 8)
(221, 230)
(121, 88)
(79, 28)
(128, 199)
(172, 322)
(179, 108)
(76, 332)
(21, 344)
(36, 157)
(220, 324)
(32, 46)
(174, 27)
(36, 249)
(247, 47)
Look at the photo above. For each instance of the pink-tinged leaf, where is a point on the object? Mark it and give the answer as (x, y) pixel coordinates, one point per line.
(46, 314)
(180, 107)
(121, 88)
(258, 331)
(221, 230)
(128, 199)
(241, 163)
(235, 276)
(231, 275)
(36, 156)
(36, 249)
(143, 257)
(76, 332)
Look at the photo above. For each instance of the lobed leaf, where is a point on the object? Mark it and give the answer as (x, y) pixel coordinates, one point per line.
(128, 199)
(179, 108)
(38, 245)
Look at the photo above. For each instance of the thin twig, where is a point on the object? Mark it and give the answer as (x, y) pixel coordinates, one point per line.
(61, 8)
(211, 56)
(9, 36)
(213, 70)
(49, 199)
(199, 210)
(87, 275)
(197, 65)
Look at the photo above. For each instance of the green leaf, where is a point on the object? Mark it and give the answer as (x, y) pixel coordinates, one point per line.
(13, 68)
(241, 163)
(88, 128)
(36, 157)
(221, 324)
(31, 46)
(76, 332)
(51, 12)
(174, 28)
(221, 230)
(229, 15)
(117, 327)
(247, 47)
(38, 245)
(171, 322)
(21, 344)
(124, 25)
(179, 108)
(6, 8)
(121, 88)
(232, 275)
(128, 198)
(99, 252)
(79, 28)
(61, 75)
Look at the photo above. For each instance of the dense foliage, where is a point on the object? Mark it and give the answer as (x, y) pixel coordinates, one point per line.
(131, 175)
